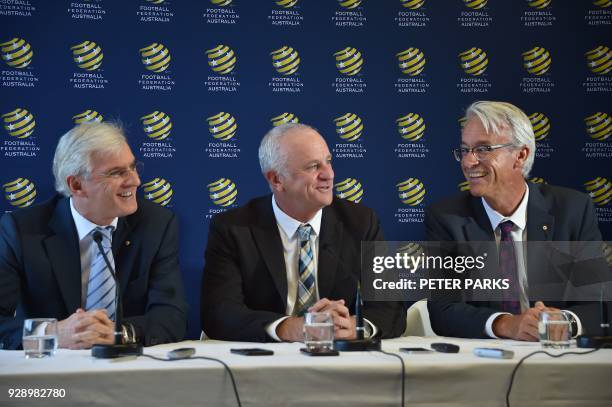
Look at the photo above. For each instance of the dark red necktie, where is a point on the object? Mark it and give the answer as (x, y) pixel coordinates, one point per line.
(508, 269)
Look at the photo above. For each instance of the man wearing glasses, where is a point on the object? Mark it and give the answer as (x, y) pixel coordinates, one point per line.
(496, 155)
(50, 265)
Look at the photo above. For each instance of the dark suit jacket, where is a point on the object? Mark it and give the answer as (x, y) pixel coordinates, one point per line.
(568, 216)
(244, 287)
(40, 270)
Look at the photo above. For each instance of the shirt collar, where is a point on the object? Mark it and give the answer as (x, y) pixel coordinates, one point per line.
(290, 225)
(85, 226)
(519, 217)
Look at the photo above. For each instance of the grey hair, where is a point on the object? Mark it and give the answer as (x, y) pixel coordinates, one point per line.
(496, 116)
(270, 155)
(75, 148)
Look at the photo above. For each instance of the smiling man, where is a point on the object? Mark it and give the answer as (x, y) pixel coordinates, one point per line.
(298, 249)
(496, 155)
(51, 267)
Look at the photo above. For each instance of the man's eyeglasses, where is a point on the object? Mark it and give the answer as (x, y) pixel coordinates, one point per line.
(123, 173)
(481, 153)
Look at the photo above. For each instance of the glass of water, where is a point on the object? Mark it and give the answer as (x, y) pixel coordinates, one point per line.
(39, 337)
(555, 329)
(318, 331)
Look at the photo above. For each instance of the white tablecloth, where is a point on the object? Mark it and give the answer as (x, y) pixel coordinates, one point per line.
(291, 379)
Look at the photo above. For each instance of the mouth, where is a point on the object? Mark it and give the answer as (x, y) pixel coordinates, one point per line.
(126, 195)
(324, 188)
(472, 175)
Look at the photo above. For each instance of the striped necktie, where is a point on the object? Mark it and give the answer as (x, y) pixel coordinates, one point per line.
(101, 286)
(306, 296)
(508, 269)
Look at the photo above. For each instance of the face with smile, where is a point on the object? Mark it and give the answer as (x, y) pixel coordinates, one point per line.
(498, 175)
(108, 191)
(306, 184)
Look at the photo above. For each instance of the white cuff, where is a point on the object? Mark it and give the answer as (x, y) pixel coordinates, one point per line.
(489, 324)
(271, 329)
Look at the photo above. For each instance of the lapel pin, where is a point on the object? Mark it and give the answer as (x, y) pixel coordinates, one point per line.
(545, 228)
(127, 243)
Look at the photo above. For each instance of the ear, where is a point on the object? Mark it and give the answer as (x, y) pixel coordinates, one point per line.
(274, 179)
(75, 185)
(522, 156)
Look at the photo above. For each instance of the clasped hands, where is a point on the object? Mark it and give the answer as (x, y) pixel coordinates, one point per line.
(522, 327)
(83, 329)
(292, 328)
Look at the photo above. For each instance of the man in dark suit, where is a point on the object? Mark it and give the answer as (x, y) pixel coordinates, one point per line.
(257, 285)
(48, 263)
(496, 156)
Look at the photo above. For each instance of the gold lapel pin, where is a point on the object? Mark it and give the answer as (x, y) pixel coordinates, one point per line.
(127, 243)
(545, 228)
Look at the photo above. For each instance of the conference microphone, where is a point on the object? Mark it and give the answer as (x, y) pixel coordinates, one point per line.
(604, 338)
(360, 343)
(118, 349)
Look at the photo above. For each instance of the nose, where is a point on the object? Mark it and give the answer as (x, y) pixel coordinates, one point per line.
(327, 172)
(133, 178)
(469, 160)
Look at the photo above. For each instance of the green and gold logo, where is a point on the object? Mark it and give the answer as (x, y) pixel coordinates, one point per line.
(349, 61)
(284, 118)
(285, 60)
(412, 4)
(16, 53)
(222, 126)
(598, 126)
(158, 190)
(541, 126)
(599, 60)
(537, 61)
(20, 192)
(411, 127)
(88, 55)
(87, 116)
(475, 4)
(222, 192)
(349, 189)
(155, 57)
(349, 127)
(221, 3)
(464, 186)
(156, 125)
(286, 3)
(19, 123)
(221, 59)
(349, 4)
(411, 191)
(539, 4)
(411, 61)
(600, 190)
(474, 61)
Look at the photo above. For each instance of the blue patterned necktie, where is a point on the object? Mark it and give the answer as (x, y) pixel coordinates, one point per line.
(306, 296)
(101, 286)
(508, 269)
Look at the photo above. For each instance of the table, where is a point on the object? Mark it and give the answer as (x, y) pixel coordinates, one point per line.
(291, 379)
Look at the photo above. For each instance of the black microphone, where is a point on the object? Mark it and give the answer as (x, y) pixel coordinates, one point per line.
(360, 343)
(604, 338)
(118, 349)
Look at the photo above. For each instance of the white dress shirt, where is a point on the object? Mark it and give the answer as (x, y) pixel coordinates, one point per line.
(519, 235)
(86, 248)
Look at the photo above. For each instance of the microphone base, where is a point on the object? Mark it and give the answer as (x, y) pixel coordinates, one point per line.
(593, 341)
(357, 345)
(116, 351)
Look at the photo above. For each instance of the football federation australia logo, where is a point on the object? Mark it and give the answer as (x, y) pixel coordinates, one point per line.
(411, 61)
(540, 124)
(16, 53)
(349, 189)
(412, 4)
(411, 127)
(285, 60)
(286, 3)
(411, 191)
(155, 57)
(600, 190)
(221, 59)
(349, 4)
(474, 61)
(87, 116)
(598, 126)
(20, 192)
(87, 55)
(349, 61)
(349, 127)
(222, 192)
(284, 118)
(537, 61)
(158, 190)
(599, 60)
(222, 126)
(156, 125)
(221, 3)
(475, 4)
(19, 123)
(538, 4)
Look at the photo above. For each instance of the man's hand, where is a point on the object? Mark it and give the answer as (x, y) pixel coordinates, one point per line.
(83, 329)
(291, 329)
(523, 327)
(344, 324)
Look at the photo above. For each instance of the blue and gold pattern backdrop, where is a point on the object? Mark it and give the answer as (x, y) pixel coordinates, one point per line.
(197, 83)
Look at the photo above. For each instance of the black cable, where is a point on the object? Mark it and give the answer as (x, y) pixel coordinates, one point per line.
(229, 371)
(552, 355)
(403, 372)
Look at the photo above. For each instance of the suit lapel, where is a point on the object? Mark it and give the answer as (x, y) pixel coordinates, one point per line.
(540, 223)
(330, 242)
(64, 255)
(267, 238)
(119, 246)
(479, 229)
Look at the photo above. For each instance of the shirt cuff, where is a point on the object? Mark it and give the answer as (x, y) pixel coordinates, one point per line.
(271, 329)
(489, 324)
(369, 333)
(578, 324)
